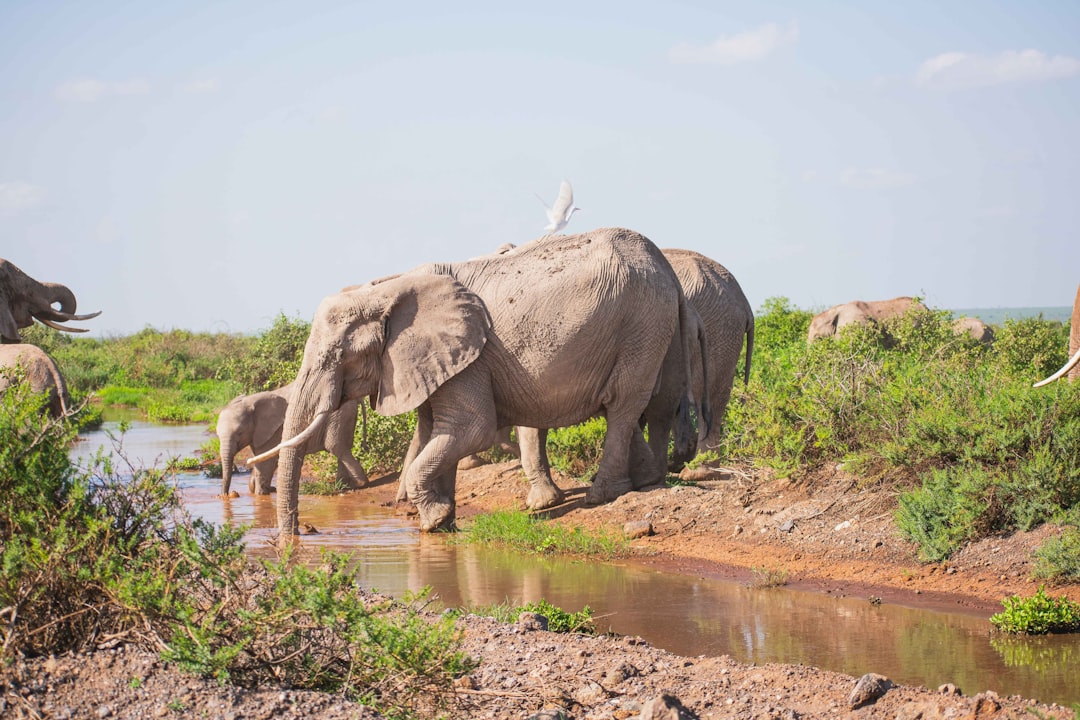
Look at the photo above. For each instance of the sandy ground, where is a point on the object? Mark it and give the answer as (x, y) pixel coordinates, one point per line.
(826, 532)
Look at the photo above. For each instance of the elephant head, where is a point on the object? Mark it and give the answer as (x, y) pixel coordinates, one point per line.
(23, 300)
(1072, 367)
(397, 340)
(251, 420)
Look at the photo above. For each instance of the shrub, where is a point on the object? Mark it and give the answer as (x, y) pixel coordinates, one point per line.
(1031, 348)
(576, 450)
(1058, 559)
(1038, 614)
(274, 359)
(95, 556)
(559, 620)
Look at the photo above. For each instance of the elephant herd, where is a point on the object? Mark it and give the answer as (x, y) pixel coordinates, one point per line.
(544, 335)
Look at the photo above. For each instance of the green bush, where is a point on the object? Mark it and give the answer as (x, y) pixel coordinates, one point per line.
(1031, 348)
(1058, 559)
(274, 358)
(576, 450)
(96, 556)
(559, 620)
(1038, 614)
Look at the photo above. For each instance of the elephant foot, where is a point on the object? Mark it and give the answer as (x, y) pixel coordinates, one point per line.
(543, 495)
(435, 516)
(351, 483)
(604, 492)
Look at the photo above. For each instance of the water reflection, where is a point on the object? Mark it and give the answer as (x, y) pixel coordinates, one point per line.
(687, 615)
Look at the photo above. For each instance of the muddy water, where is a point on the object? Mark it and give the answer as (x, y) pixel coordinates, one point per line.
(687, 615)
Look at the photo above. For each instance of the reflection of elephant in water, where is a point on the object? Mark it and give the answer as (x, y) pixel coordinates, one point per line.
(1072, 367)
(23, 300)
(548, 335)
(41, 372)
(255, 420)
(858, 312)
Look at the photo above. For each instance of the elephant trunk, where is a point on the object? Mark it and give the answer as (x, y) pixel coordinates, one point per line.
(54, 293)
(228, 452)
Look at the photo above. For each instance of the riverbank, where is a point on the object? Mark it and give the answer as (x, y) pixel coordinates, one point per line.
(824, 532)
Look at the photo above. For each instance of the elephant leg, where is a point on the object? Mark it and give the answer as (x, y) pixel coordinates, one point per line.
(420, 437)
(431, 479)
(261, 474)
(350, 472)
(612, 477)
(543, 492)
(648, 460)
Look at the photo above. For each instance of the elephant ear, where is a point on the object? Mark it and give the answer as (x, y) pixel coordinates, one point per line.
(434, 328)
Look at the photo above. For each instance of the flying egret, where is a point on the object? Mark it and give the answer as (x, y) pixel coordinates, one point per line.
(560, 213)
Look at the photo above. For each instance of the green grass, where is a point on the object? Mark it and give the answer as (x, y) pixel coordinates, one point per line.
(527, 533)
(1058, 559)
(559, 620)
(1038, 614)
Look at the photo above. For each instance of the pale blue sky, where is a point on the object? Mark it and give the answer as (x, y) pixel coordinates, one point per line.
(209, 165)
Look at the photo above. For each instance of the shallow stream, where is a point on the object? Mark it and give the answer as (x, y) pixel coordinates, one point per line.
(684, 614)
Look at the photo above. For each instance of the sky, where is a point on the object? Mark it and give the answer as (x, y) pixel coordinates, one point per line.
(210, 165)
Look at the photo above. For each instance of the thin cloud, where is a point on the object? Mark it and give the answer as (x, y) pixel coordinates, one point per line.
(743, 47)
(958, 70)
(17, 196)
(90, 90)
(876, 178)
(201, 87)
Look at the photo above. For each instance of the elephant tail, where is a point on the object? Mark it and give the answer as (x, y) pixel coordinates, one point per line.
(749, 349)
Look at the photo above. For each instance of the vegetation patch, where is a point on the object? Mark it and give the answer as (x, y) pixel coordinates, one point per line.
(1038, 615)
(1058, 559)
(527, 533)
(559, 620)
(103, 556)
(767, 577)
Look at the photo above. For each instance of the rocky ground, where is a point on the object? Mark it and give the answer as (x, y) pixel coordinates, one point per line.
(824, 531)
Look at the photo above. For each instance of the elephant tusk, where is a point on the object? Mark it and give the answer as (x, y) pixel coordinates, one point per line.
(295, 440)
(1068, 366)
(62, 328)
(68, 316)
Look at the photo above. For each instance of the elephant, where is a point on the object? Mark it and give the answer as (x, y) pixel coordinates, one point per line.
(1072, 366)
(41, 372)
(256, 420)
(857, 312)
(23, 300)
(975, 329)
(558, 330)
(727, 318)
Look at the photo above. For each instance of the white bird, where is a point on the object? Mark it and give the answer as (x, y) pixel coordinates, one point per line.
(559, 214)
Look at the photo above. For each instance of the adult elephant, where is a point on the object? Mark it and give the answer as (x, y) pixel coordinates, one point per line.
(1072, 366)
(561, 329)
(728, 320)
(858, 312)
(256, 421)
(40, 371)
(24, 300)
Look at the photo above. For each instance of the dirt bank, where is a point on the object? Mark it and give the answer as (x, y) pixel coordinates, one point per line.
(825, 532)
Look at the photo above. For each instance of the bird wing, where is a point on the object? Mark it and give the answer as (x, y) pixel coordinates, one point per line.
(564, 202)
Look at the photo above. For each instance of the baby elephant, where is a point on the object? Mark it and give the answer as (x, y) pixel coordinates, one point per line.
(255, 420)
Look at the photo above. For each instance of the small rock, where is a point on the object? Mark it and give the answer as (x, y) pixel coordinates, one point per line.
(787, 526)
(549, 714)
(532, 621)
(590, 694)
(868, 690)
(665, 707)
(986, 703)
(843, 526)
(637, 529)
(103, 711)
(949, 689)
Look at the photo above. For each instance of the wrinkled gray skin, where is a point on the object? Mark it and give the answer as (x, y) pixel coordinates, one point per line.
(1072, 367)
(858, 312)
(256, 420)
(555, 332)
(728, 319)
(24, 300)
(40, 371)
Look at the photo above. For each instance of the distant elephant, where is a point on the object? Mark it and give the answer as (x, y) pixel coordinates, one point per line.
(41, 372)
(858, 312)
(975, 329)
(559, 330)
(23, 300)
(255, 420)
(1072, 366)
